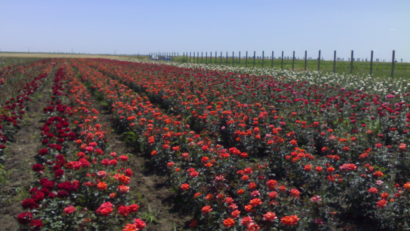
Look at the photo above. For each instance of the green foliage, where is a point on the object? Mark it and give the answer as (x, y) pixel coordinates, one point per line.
(150, 216)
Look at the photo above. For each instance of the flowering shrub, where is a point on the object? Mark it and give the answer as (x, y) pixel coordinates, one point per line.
(79, 185)
(312, 153)
(244, 150)
(14, 99)
(163, 154)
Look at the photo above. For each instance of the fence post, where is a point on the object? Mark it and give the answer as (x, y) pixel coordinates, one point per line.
(233, 58)
(216, 58)
(226, 59)
(305, 60)
(254, 58)
(202, 57)
(190, 57)
(272, 61)
(210, 57)
(220, 59)
(263, 57)
(392, 64)
(293, 61)
(246, 59)
(239, 59)
(371, 63)
(281, 65)
(334, 62)
(351, 62)
(318, 64)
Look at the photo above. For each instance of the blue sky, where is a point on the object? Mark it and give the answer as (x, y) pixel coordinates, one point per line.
(130, 27)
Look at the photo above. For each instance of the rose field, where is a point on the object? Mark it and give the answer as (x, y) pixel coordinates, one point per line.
(100, 144)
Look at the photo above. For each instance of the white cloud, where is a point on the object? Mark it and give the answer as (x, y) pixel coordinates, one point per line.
(392, 29)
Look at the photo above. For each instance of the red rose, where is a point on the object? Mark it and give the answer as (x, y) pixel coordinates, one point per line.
(36, 224)
(29, 204)
(139, 223)
(69, 209)
(24, 218)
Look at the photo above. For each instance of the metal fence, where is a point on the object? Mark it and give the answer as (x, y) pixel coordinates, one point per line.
(203, 57)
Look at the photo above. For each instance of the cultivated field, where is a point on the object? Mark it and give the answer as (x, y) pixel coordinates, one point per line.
(104, 144)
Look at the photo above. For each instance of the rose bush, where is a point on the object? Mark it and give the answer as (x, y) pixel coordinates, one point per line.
(80, 183)
(323, 139)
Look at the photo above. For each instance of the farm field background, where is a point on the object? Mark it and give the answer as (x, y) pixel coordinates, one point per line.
(360, 68)
(380, 69)
(103, 143)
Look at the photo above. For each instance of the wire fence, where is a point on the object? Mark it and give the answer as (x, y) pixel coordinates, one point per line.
(338, 65)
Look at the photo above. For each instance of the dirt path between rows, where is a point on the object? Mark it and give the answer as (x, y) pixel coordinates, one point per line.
(19, 158)
(149, 189)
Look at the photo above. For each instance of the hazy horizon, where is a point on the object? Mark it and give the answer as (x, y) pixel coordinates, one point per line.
(123, 27)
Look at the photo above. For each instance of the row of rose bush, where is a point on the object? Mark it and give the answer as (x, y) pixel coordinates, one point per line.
(382, 85)
(209, 177)
(81, 184)
(298, 107)
(315, 116)
(9, 69)
(11, 76)
(29, 81)
(343, 183)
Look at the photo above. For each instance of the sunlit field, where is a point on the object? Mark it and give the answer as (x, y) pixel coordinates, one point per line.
(95, 143)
